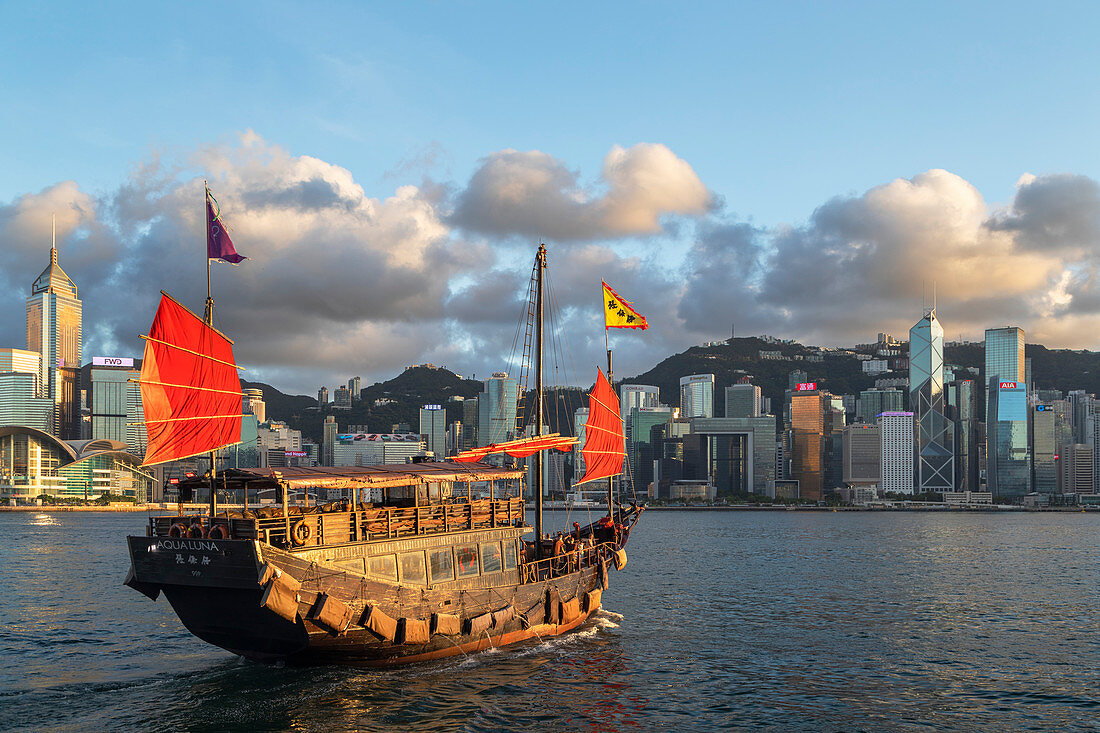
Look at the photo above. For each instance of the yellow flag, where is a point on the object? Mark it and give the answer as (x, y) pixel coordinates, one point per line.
(619, 313)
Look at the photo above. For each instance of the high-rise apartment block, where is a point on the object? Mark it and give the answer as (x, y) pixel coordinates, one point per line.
(322, 397)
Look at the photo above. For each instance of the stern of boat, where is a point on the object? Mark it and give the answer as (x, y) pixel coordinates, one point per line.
(215, 588)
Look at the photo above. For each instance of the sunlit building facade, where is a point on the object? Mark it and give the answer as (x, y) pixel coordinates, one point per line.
(496, 420)
(54, 331)
(1007, 453)
(34, 463)
(807, 443)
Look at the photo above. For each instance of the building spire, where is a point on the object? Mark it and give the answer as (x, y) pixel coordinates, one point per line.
(53, 247)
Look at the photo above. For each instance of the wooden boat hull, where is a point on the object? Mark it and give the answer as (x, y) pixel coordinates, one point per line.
(216, 587)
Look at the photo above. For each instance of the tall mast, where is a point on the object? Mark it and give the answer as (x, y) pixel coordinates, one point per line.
(610, 479)
(208, 318)
(540, 268)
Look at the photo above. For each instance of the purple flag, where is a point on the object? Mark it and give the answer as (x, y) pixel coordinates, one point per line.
(218, 244)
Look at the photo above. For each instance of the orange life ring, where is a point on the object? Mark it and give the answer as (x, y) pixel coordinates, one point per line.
(219, 532)
(299, 533)
(177, 530)
(196, 531)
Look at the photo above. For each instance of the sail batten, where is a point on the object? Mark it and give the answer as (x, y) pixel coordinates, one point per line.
(190, 390)
(604, 442)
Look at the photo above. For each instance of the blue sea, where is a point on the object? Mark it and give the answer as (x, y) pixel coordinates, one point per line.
(787, 621)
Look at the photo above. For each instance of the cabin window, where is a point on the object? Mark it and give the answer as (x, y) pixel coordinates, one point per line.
(490, 557)
(466, 559)
(412, 567)
(355, 566)
(441, 565)
(510, 555)
(383, 566)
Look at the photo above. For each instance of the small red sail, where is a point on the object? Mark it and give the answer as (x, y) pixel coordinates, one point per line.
(604, 442)
(518, 448)
(190, 390)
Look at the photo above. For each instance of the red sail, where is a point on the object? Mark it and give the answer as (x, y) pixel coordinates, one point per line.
(604, 443)
(518, 448)
(190, 390)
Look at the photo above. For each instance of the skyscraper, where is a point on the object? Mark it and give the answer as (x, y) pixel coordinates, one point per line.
(322, 397)
(328, 448)
(496, 407)
(807, 443)
(933, 432)
(636, 395)
(744, 400)
(873, 402)
(54, 323)
(433, 429)
(697, 396)
(1008, 457)
(1044, 446)
(354, 387)
(469, 423)
(896, 429)
(962, 409)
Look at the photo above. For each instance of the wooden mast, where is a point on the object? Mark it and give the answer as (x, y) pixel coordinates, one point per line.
(208, 318)
(540, 268)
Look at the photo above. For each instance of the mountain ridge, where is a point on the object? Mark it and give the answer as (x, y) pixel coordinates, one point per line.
(838, 371)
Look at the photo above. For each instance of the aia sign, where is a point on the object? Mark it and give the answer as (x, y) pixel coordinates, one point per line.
(1008, 385)
(806, 387)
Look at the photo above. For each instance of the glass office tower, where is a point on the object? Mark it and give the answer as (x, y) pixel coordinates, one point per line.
(1007, 452)
(933, 432)
(54, 323)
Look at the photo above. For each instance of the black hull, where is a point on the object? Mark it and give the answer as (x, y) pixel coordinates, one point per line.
(216, 588)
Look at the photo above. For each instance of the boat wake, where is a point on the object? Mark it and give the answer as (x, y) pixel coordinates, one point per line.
(600, 622)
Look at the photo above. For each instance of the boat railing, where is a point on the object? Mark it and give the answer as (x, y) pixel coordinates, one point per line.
(565, 563)
(311, 526)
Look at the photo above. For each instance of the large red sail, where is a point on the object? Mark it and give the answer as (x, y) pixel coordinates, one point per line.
(190, 390)
(604, 442)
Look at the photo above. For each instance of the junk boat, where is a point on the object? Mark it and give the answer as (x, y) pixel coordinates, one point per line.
(414, 561)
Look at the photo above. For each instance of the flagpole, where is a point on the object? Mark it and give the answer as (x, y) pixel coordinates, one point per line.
(208, 317)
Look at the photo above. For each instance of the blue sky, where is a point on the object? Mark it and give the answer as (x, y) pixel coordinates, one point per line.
(778, 109)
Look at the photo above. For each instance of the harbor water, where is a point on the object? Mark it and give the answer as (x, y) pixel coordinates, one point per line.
(721, 620)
